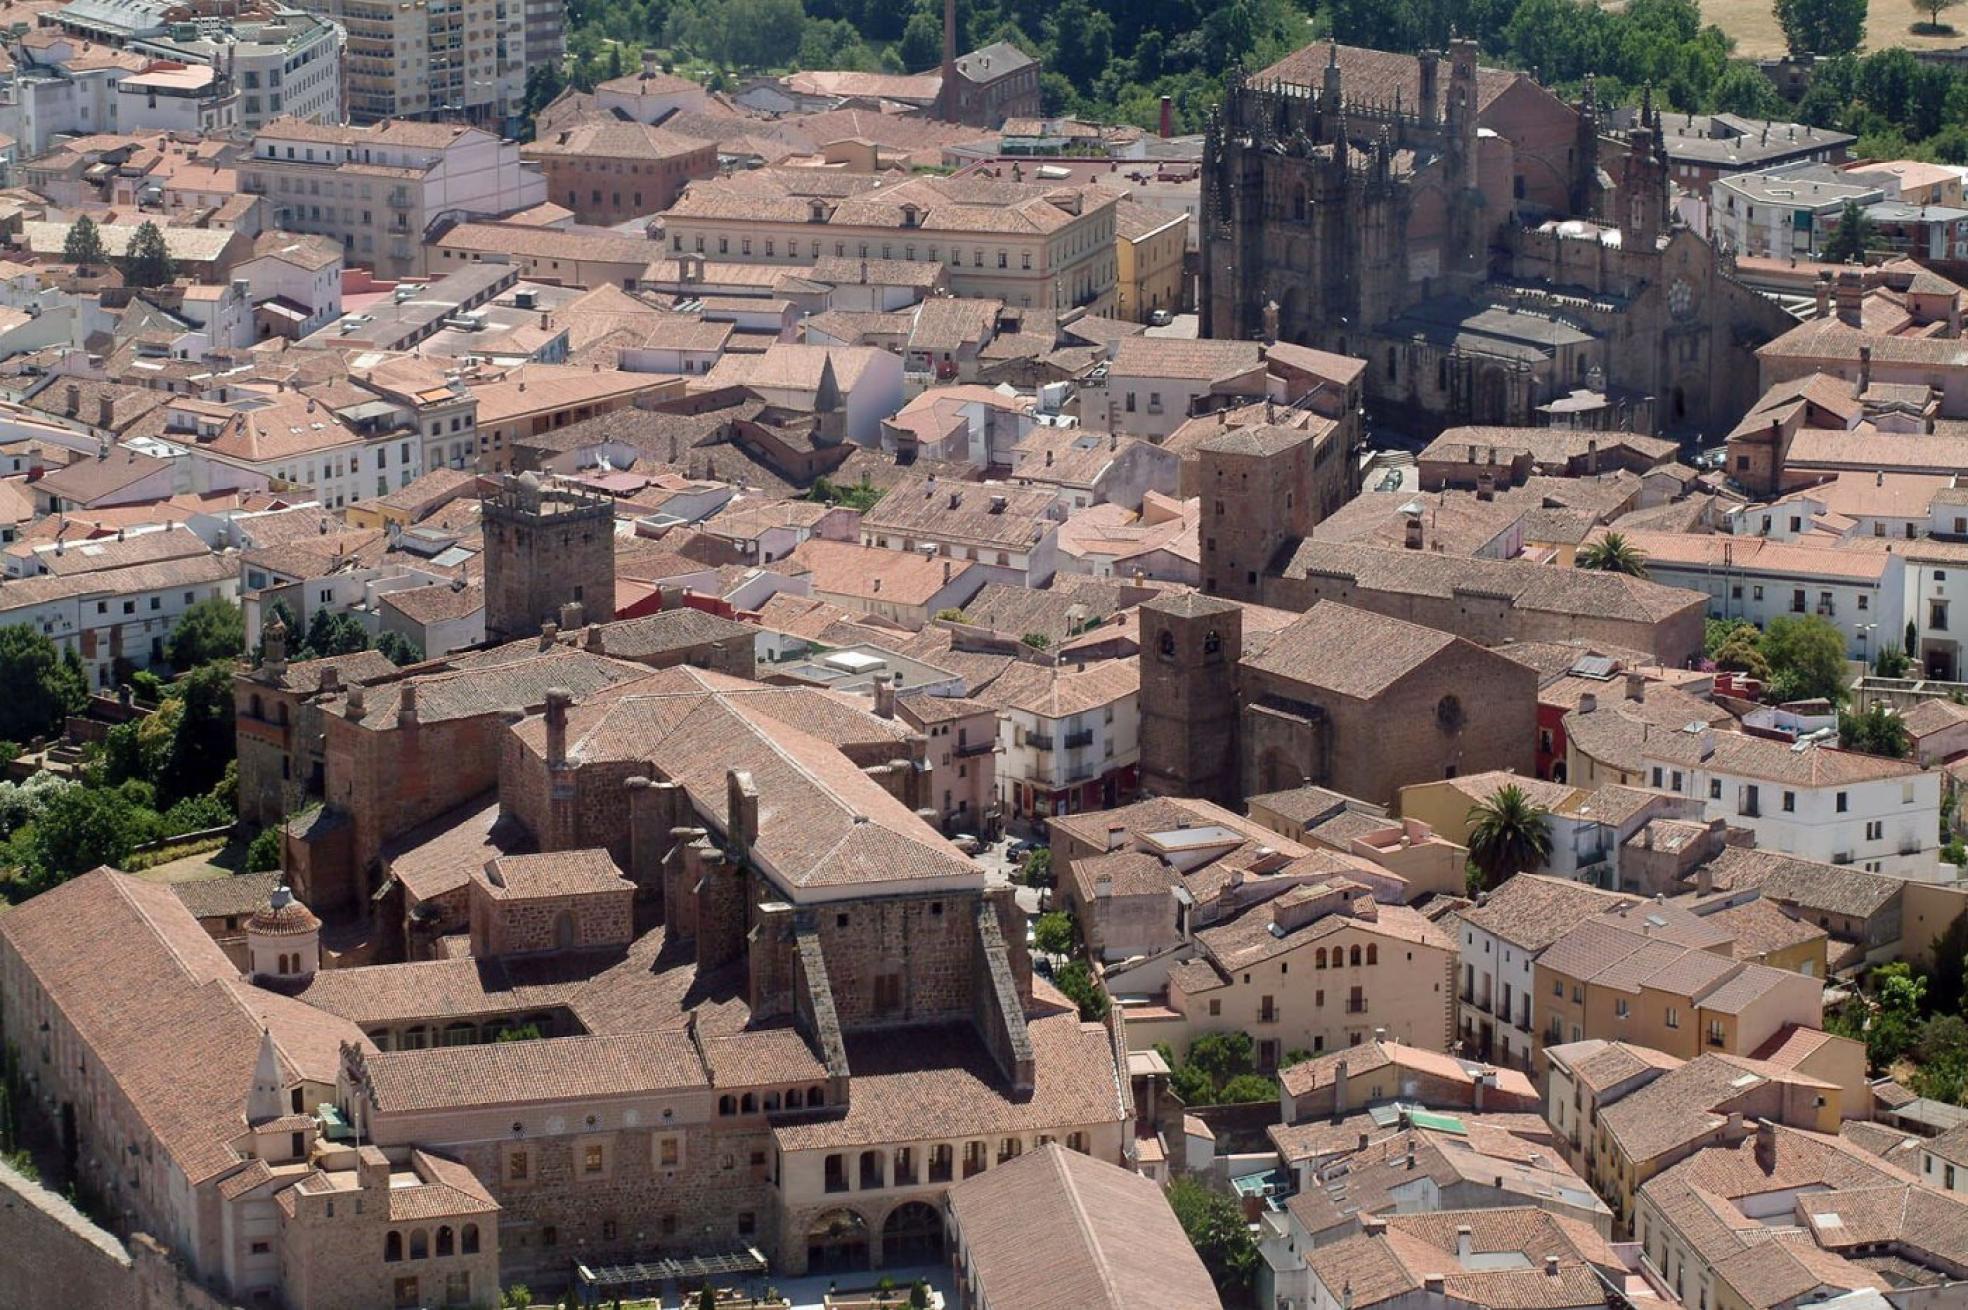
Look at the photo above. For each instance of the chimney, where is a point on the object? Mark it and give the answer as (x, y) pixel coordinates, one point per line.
(105, 412)
(1591, 456)
(1486, 483)
(1411, 532)
(1477, 1084)
(406, 706)
(74, 397)
(546, 321)
(571, 616)
(331, 679)
(1363, 1142)
(558, 700)
(597, 640)
(357, 703)
(1339, 1089)
(1588, 702)
(1824, 295)
(1733, 1131)
(742, 808)
(1766, 1144)
(884, 696)
(947, 565)
(1167, 128)
(1636, 687)
(1704, 881)
(1435, 1284)
(1865, 370)
(1850, 295)
(1463, 1244)
(1551, 1266)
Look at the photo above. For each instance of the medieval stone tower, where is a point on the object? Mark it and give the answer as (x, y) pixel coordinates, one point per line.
(1190, 645)
(545, 549)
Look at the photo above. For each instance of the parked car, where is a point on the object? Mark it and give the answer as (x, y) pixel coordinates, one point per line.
(1160, 318)
(966, 843)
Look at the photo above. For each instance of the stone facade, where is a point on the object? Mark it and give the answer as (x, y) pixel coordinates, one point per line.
(1224, 728)
(544, 550)
(1424, 237)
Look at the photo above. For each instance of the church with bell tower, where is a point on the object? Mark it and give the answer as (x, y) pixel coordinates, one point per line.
(1487, 247)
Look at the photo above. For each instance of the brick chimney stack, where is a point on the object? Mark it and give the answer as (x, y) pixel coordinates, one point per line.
(1168, 117)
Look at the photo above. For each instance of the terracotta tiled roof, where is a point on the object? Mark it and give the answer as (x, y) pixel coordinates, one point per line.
(904, 1078)
(1378, 76)
(1058, 1230)
(1531, 911)
(518, 1073)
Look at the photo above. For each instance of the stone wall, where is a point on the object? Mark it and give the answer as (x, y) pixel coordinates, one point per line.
(48, 1248)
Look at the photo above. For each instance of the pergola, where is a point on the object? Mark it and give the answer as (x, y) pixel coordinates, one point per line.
(601, 1283)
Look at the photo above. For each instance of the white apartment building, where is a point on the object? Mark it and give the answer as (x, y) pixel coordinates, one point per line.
(1937, 603)
(419, 60)
(1069, 737)
(117, 614)
(295, 281)
(1025, 244)
(60, 89)
(1006, 530)
(1499, 940)
(1862, 593)
(282, 61)
(376, 189)
(1806, 799)
(1784, 212)
(291, 439)
(193, 99)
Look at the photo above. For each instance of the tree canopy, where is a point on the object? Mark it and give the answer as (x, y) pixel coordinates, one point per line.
(83, 245)
(147, 262)
(1508, 834)
(213, 629)
(43, 685)
(1822, 27)
(1217, 1229)
(1806, 654)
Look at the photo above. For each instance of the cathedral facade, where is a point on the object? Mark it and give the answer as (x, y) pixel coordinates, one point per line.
(1492, 256)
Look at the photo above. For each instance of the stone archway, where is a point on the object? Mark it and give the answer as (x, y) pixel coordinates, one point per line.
(837, 1243)
(912, 1235)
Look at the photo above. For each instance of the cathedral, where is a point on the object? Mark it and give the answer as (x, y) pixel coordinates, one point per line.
(1493, 256)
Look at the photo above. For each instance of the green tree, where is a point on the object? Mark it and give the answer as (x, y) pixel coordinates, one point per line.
(1216, 1227)
(1876, 731)
(83, 245)
(81, 828)
(1743, 653)
(1246, 1088)
(1056, 933)
(1223, 1055)
(922, 41)
(1508, 835)
(1717, 633)
(707, 1298)
(919, 1295)
(1822, 27)
(204, 743)
(147, 262)
(1036, 640)
(544, 83)
(43, 685)
(1613, 553)
(1079, 986)
(1945, 984)
(398, 649)
(332, 633)
(1894, 1018)
(1742, 89)
(1807, 658)
(263, 852)
(213, 629)
(1852, 237)
(1037, 869)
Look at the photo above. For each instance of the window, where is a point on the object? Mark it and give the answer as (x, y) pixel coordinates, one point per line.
(1620, 1009)
(1875, 830)
(1840, 800)
(1790, 802)
(517, 1166)
(1673, 1017)
(592, 1158)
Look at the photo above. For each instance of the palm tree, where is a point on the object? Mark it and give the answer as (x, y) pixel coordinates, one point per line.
(1507, 835)
(1613, 553)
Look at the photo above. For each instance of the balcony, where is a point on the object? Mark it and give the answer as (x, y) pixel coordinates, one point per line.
(971, 748)
(1083, 737)
(1356, 1005)
(1039, 741)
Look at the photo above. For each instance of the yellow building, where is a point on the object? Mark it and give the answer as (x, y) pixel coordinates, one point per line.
(1653, 975)
(1320, 968)
(1445, 805)
(1149, 242)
